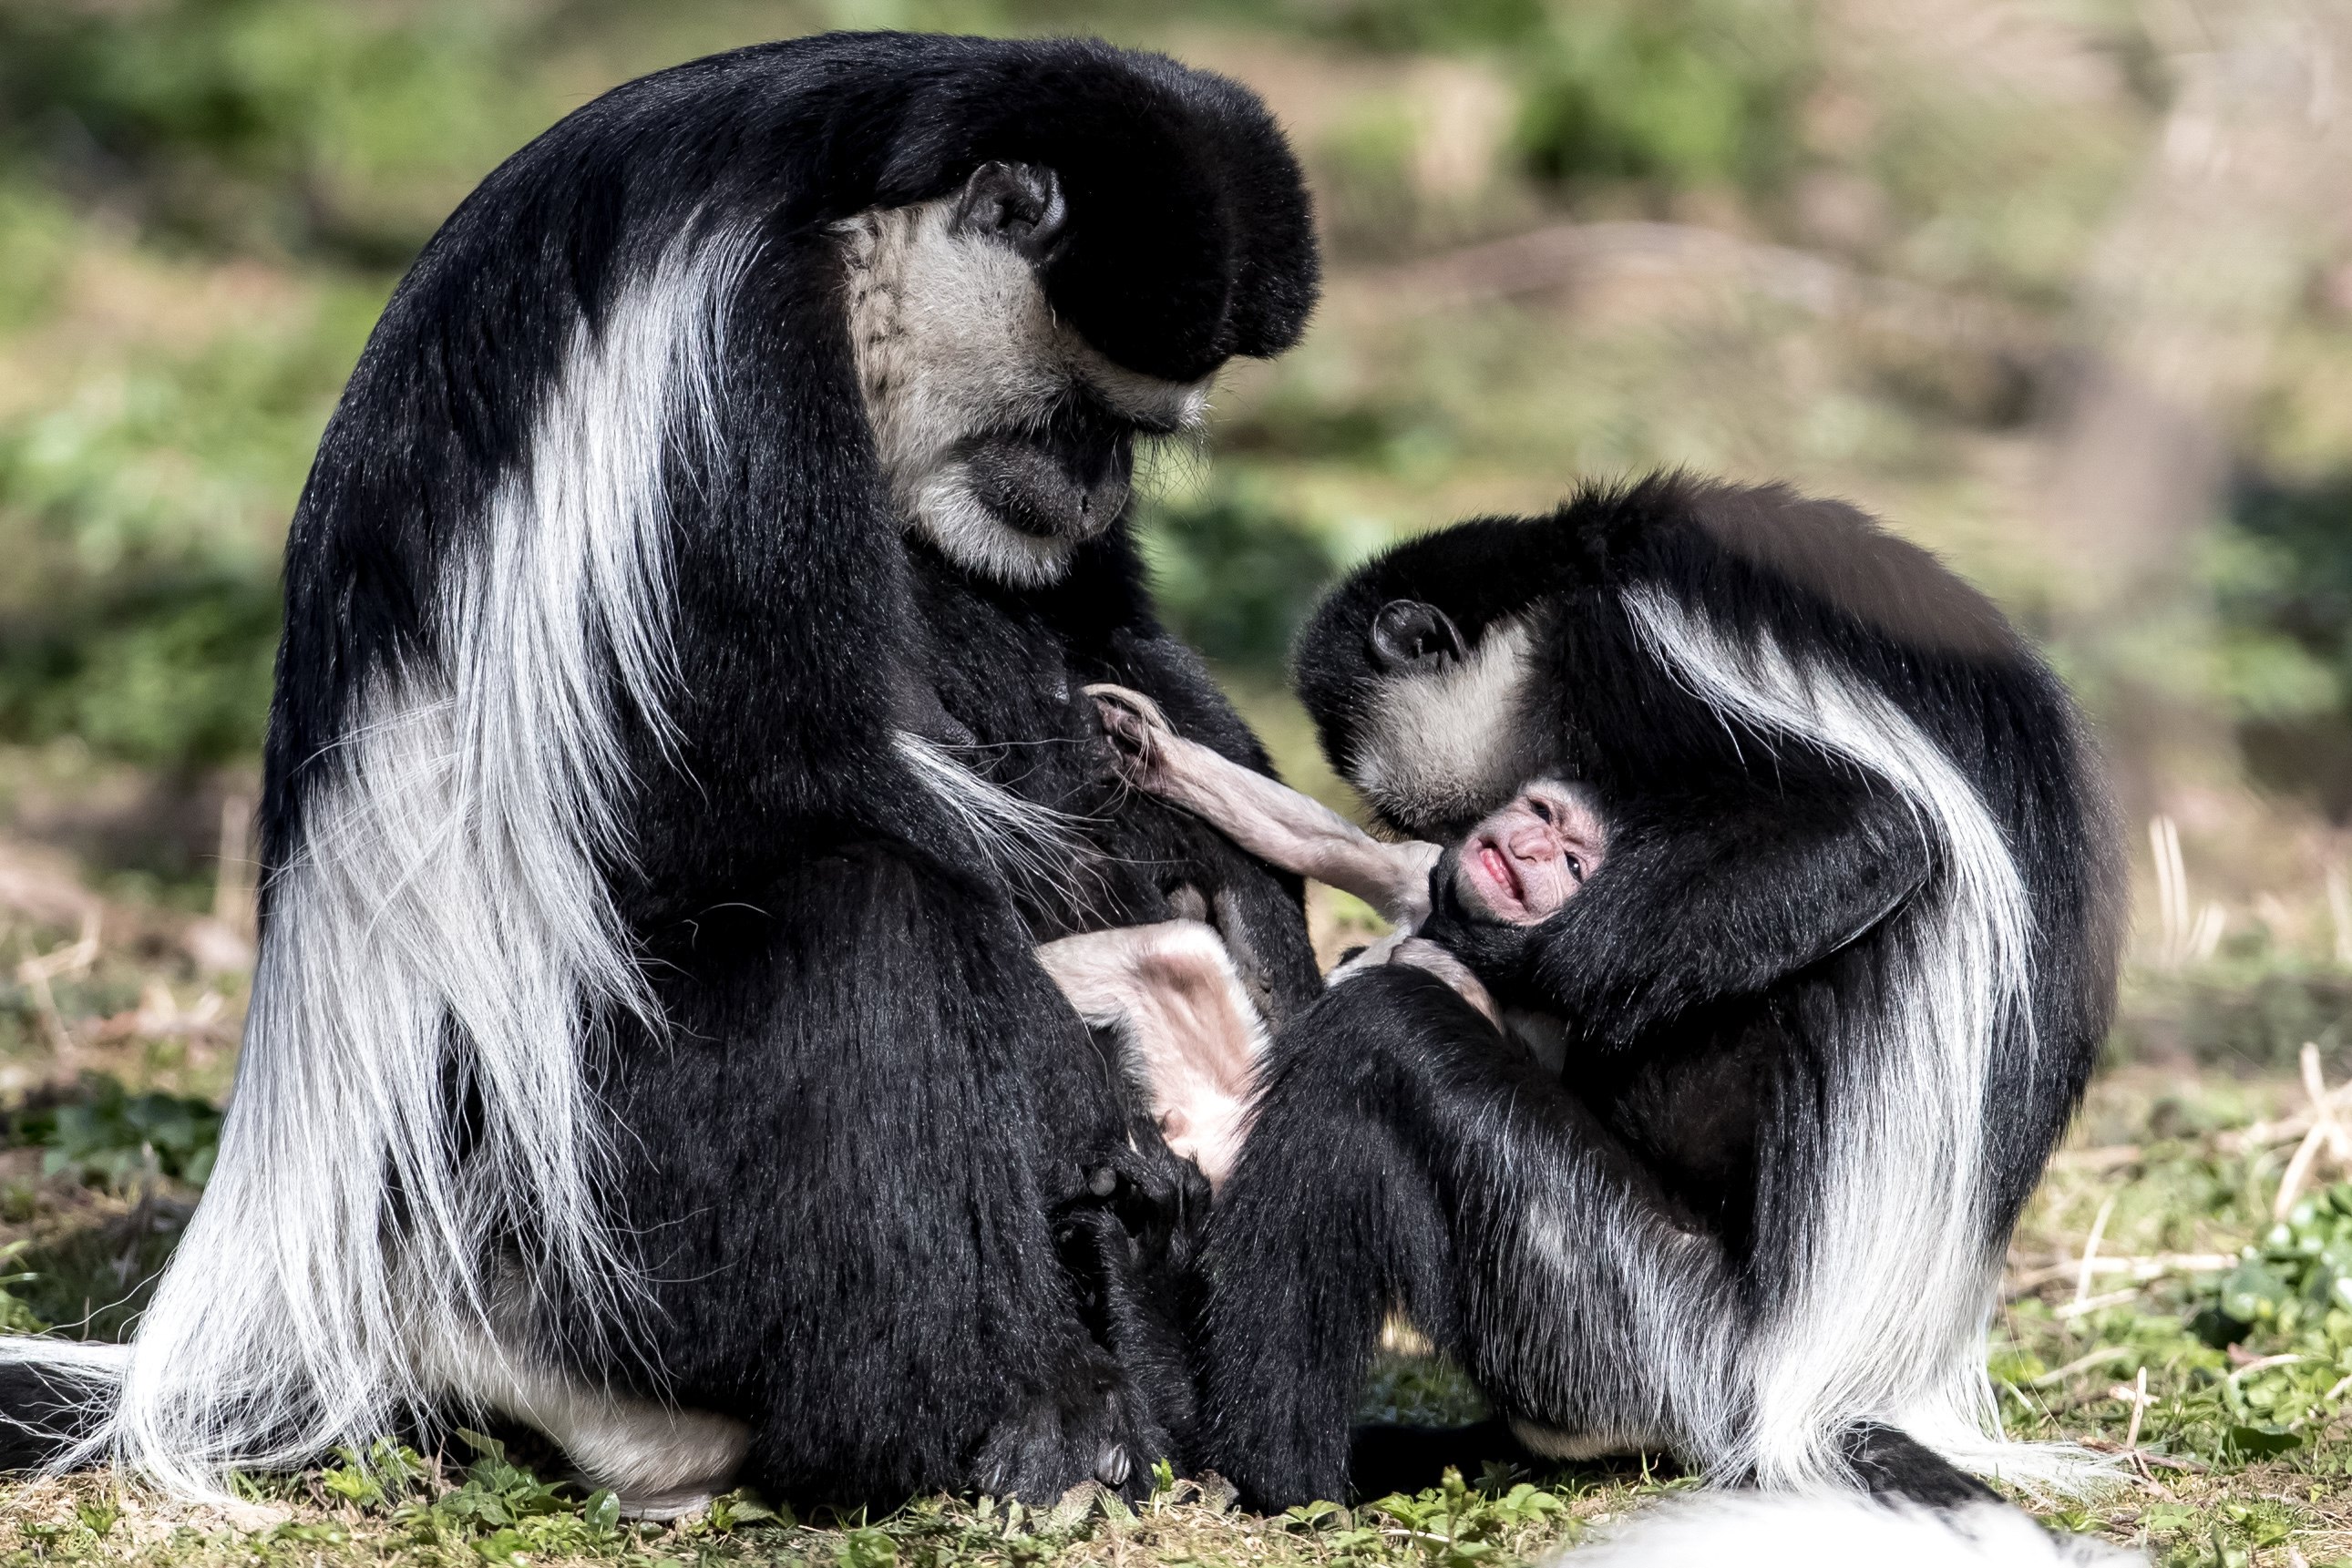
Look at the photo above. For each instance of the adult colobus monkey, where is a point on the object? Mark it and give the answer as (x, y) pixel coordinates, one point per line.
(1833, 986)
(678, 748)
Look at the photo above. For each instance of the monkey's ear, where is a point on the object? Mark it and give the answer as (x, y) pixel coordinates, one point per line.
(1408, 634)
(1020, 204)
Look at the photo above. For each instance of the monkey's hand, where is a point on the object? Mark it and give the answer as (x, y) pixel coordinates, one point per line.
(1138, 734)
(1278, 825)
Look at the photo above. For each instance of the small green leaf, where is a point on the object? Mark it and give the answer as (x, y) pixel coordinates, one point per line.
(867, 1549)
(2251, 1441)
(506, 1548)
(488, 1447)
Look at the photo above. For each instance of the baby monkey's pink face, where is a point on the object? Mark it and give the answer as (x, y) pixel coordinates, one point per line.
(1530, 858)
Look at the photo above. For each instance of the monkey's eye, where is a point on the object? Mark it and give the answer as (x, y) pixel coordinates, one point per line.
(1576, 868)
(1407, 633)
(1542, 808)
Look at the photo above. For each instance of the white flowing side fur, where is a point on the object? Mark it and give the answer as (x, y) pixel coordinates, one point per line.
(1894, 1279)
(1759, 1530)
(445, 912)
(954, 338)
(1027, 844)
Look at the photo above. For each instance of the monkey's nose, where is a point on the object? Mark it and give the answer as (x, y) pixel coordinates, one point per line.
(1535, 845)
(1407, 634)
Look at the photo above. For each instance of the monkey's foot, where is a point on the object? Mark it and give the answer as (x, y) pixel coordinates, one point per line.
(1089, 1429)
(667, 1507)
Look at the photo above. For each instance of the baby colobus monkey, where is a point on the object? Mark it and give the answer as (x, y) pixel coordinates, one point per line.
(1170, 990)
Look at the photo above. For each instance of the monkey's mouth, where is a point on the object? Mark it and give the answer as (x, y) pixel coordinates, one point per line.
(1492, 876)
(1067, 481)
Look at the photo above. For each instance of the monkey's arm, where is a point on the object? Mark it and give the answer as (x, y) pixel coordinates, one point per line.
(1400, 1157)
(1693, 906)
(1273, 822)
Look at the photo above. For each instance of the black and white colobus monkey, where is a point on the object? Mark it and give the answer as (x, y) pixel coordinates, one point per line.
(1828, 1003)
(679, 748)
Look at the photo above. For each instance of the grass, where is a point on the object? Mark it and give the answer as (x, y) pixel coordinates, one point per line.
(2209, 1353)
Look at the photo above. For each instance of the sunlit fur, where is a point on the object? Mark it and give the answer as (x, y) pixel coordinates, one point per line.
(1894, 1279)
(449, 888)
(1033, 846)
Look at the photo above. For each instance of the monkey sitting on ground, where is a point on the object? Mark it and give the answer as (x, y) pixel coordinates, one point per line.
(679, 748)
(1826, 1007)
(1170, 990)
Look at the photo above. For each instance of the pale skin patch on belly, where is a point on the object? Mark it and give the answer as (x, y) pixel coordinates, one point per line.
(1178, 1005)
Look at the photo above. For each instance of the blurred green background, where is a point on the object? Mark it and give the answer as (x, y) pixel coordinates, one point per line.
(2061, 288)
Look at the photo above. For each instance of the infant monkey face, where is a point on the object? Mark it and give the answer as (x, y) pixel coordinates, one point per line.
(1524, 861)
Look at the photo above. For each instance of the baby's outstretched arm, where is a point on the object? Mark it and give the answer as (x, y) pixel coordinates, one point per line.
(1277, 824)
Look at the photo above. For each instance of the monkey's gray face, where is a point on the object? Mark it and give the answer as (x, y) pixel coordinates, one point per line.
(1006, 438)
(1442, 734)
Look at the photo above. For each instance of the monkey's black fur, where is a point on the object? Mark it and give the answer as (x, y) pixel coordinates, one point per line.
(884, 1200)
(1734, 959)
(863, 1156)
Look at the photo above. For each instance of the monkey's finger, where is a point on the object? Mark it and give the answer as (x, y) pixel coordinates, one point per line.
(1131, 709)
(1134, 726)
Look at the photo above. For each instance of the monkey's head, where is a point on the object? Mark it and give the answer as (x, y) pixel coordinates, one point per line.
(1522, 861)
(1089, 265)
(1421, 670)
(1446, 672)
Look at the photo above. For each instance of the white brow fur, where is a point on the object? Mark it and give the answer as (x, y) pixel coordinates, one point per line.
(1448, 745)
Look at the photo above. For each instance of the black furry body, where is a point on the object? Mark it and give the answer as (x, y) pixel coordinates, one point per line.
(872, 1097)
(860, 1180)
(1602, 1247)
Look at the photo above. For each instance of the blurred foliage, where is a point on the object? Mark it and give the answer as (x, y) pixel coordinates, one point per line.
(108, 1136)
(93, 1281)
(148, 1152)
(2253, 1007)
(262, 122)
(1234, 576)
(139, 610)
(17, 1314)
(1678, 93)
(2282, 577)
